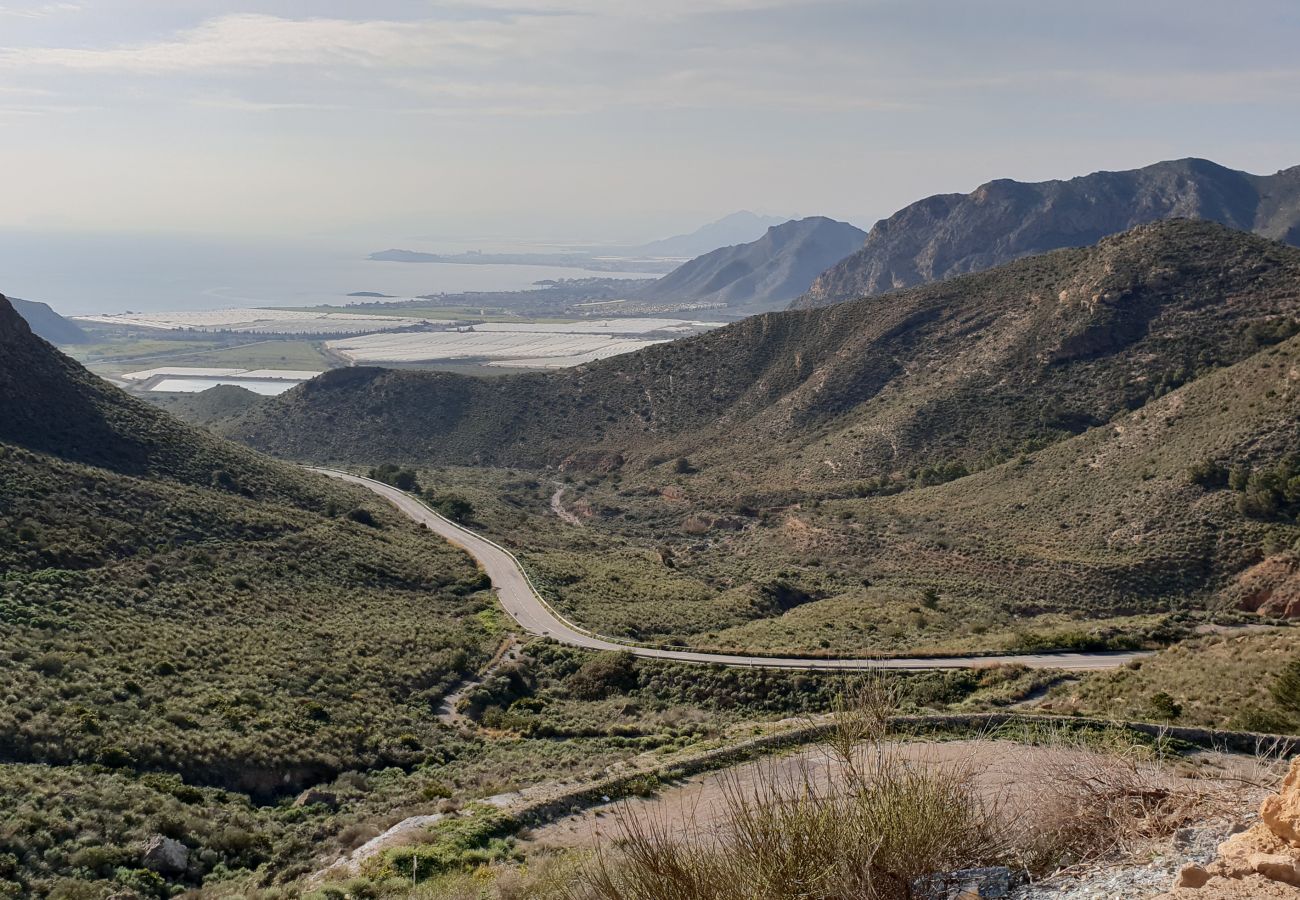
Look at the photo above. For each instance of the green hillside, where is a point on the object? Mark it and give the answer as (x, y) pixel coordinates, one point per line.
(189, 627)
(959, 373)
(1130, 532)
(1007, 459)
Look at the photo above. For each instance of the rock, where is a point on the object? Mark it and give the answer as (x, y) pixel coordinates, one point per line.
(1236, 853)
(1192, 876)
(165, 855)
(314, 796)
(1281, 811)
(1184, 837)
(1263, 860)
(1284, 867)
(987, 883)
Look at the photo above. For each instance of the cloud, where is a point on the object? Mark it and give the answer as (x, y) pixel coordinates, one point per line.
(38, 10)
(1230, 87)
(259, 41)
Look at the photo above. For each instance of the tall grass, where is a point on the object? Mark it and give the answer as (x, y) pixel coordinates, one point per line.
(866, 829)
(879, 817)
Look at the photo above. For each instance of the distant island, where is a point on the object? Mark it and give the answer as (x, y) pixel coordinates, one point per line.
(558, 260)
(375, 294)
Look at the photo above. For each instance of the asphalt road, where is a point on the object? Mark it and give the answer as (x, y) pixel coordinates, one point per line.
(525, 606)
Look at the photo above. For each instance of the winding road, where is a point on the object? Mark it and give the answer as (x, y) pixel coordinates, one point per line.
(525, 606)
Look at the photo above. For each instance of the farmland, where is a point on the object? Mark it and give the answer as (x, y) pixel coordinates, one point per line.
(257, 321)
(517, 344)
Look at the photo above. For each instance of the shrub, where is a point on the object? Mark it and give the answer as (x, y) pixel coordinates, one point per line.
(1165, 707)
(454, 507)
(1286, 687)
(1208, 474)
(604, 674)
(867, 832)
(362, 516)
(402, 479)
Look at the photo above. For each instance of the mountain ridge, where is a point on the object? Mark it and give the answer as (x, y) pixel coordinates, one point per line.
(764, 274)
(48, 324)
(952, 234)
(1067, 339)
(739, 227)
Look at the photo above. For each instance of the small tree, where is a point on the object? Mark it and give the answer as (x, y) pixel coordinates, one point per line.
(455, 507)
(1165, 707)
(1286, 688)
(603, 675)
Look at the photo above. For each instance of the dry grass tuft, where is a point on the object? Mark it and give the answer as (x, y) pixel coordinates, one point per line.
(866, 832)
(1093, 803)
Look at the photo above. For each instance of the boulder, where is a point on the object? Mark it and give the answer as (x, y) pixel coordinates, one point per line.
(314, 796)
(1192, 876)
(165, 855)
(1262, 861)
(1281, 811)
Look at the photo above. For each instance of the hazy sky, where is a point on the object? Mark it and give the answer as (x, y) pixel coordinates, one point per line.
(609, 118)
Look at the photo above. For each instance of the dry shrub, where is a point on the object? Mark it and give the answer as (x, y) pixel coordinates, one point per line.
(866, 832)
(1091, 803)
(353, 836)
(879, 817)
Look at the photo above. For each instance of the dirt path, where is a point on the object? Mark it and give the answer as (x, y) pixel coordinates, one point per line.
(557, 507)
(447, 712)
(1007, 773)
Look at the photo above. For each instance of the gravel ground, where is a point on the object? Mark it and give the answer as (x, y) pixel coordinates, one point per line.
(1136, 880)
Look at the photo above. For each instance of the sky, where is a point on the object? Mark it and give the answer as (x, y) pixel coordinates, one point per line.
(608, 119)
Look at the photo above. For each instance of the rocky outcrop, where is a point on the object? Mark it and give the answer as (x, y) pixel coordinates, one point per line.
(1263, 861)
(1271, 587)
(165, 855)
(317, 797)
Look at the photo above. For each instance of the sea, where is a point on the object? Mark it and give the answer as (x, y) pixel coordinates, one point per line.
(84, 274)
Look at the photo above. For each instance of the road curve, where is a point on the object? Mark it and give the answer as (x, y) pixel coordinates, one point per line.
(526, 607)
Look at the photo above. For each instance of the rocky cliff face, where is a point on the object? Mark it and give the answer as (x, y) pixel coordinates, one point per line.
(953, 234)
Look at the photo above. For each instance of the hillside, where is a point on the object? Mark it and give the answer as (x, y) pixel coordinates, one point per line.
(1111, 537)
(52, 405)
(190, 629)
(206, 407)
(959, 372)
(762, 275)
(953, 234)
(48, 324)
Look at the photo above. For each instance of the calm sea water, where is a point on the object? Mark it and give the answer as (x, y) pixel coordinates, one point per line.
(83, 274)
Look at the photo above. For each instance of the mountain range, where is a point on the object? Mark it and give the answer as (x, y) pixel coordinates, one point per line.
(953, 234)
(764, 274)
(1013, 439)
(1047, 345)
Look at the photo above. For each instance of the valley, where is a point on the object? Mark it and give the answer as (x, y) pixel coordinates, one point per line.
(1056, 498)
(909, 489)
(685, 450)
(521, 600)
